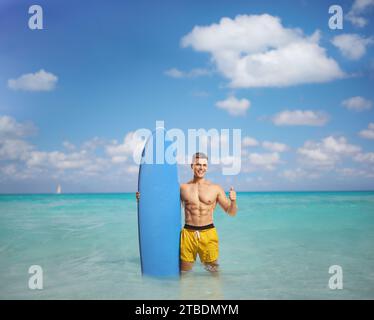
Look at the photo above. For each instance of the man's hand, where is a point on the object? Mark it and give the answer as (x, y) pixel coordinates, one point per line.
(137, 196)
(232, 194)
(228, 206)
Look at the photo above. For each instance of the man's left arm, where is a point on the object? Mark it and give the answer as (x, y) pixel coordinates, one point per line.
(228, 206)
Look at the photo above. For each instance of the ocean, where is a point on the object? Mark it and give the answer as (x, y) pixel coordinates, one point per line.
(280, 245)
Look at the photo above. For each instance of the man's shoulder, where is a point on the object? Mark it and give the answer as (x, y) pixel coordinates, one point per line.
(217, 186)
(185, 185)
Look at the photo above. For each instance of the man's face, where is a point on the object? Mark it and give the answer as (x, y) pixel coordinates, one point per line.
(200, 167)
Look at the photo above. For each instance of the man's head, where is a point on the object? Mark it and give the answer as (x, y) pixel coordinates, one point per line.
(199, 164)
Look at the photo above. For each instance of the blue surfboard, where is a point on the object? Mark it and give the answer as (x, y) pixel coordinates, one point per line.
(159, 216)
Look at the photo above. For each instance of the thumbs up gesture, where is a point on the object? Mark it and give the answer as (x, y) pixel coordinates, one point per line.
(232, 194)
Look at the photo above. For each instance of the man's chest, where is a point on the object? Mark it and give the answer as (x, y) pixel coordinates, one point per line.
(199, 194)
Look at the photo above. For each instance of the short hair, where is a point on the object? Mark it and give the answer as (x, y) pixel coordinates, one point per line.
(199, 155)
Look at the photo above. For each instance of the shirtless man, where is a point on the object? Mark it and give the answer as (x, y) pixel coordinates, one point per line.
(199, 198)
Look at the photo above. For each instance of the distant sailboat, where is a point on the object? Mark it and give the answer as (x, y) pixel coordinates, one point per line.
(58, 191)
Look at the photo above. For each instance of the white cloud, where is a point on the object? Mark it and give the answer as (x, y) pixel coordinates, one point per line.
(58, 160)
(365, 157)
(316, 156)
(174, 73)
(234, 106)
(300, 118)
(275, 146)
(132, 146)
(267, 161)
(357, 103)
(9, 127)
(20, 160)
(75, 160)
(68, 146)
(249, 142)
(339, 145)
(357, 20)
(10, 169)
(14, 149)
(258, 51)
(97, 165)
(132, 169)
(38, 81)
(356, 172)
(347, 171)
(194, 73)
(297, 174)
(369, 132)
(352, 46)
(81, 164)
(292, 175)
(93, 144)
(16, 172)
(327, 152)
(84, 160)
(359, 8)
(362, 5)
(73, 165)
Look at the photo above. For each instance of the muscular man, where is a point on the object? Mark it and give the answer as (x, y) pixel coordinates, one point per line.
(199, 198)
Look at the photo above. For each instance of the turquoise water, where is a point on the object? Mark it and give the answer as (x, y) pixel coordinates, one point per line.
(279, 246)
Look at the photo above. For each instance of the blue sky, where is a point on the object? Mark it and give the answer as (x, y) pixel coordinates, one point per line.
(99, 70)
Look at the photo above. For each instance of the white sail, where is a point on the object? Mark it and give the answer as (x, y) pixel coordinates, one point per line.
(58, 191)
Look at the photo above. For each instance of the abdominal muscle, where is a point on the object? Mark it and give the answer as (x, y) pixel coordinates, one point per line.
(198, 215)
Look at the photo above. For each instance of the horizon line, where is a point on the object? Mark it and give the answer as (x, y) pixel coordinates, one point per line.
(129, 192)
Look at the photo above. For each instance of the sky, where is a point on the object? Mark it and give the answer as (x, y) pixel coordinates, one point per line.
(73, 93)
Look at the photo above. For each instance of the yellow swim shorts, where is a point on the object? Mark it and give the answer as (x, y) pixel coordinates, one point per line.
(199, 240)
